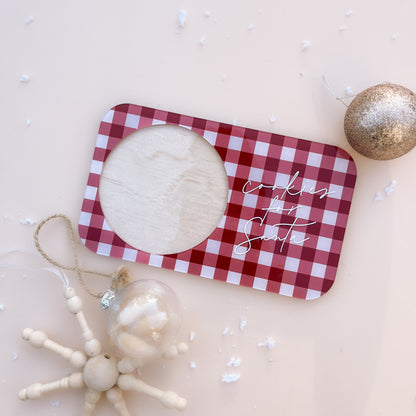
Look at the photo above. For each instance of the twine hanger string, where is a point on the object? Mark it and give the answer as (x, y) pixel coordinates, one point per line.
(118, 279)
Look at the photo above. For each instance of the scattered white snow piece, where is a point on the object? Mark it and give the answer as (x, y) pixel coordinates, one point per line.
(55, 403)
(15, 356)
(394, 36)
(233, 345)
(223, 76)
(305, 44)
(27, 221)
(243, 324)
(250, 26)
(269, 343)
(202, 40)
(348, 91)
(24, 276)
(272, 119)
(234, 124)
(301, 74)
(207, 13)
(230, 378)
(2, 276)
(24, 78)
(191, 336)
(2, 307)
(192, 364)
(225, 331)
(182, 18)
(28, 122)
(378, 196)
(342, 28)
(29, 20)
(389, 189)
(348, 13)
(234, 362)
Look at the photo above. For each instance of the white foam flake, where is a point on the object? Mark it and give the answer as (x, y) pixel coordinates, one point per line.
(269, 343)
(230, 378)
(389, 189)
(378, 196)
(192, 364)
(55, 403)
(394, 36)
(28, 122)
(27, 221)
(29, 20)
(243, 324)
(202, 40)
(234, 362)
(191, 336)
(2, 307)
(250, 26)
(272, 119)
(342, 28)
(225, 331)
(15, 356)
(207, 13)
(348, 13)
(24, 78)
(182, 14)
(348, 91)
(305, 44)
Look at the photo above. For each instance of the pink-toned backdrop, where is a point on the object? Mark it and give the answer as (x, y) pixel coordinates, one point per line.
(350, 352)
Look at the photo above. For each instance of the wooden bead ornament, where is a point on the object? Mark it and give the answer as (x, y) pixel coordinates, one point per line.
(144, 321)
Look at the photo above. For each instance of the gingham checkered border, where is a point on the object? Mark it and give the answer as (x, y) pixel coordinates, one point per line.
(298, 168)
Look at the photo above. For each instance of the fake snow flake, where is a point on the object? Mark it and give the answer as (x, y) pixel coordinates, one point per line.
(202, 40)
(29, 20)
(230, 378)
(182, 18)
(378, 196)
(234, 362)
(55, 403)
(2, 307)
(348, 13)
(28, 122)
(27, 221)
(305, 44)
(191, 336)
(269, 343)
(243, 324)
(348, 91)
(394, 36)
(207, 13)
(272, 119)
(24, 78)
(389, 189)
(192, 364)
(250, 26)
(342, 28)
(15, 356)
(225, 331)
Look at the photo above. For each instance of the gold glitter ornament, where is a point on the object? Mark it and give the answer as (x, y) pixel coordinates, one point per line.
(380, 123)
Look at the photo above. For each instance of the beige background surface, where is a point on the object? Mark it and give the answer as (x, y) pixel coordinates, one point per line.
(350, 352)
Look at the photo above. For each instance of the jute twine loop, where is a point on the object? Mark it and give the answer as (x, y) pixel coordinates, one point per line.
(119, 279)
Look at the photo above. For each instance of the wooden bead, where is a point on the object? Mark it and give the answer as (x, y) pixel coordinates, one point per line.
(92, 347)
(101, 373)
(78, 359)
(74, 304)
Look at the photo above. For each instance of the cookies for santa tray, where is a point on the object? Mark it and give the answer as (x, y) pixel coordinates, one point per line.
(286, 206)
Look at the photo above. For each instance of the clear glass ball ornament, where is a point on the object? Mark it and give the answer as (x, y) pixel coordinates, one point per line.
(144, 319)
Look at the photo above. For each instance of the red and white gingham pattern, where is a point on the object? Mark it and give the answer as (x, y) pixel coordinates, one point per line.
(299, 269)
